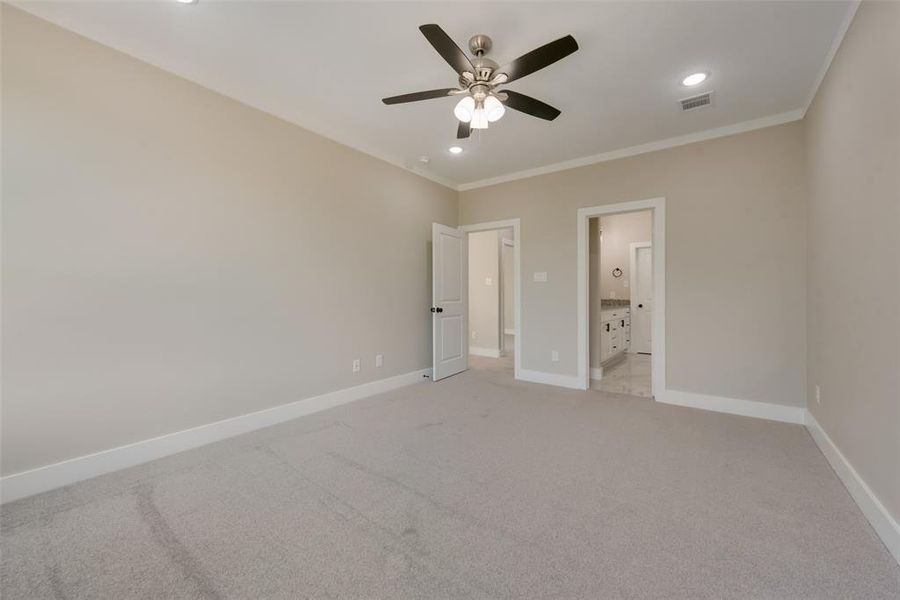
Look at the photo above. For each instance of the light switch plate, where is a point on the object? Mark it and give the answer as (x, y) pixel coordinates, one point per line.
(488, 281)
(379, 360)
(540, 276)
(356, 365)
(554, 355)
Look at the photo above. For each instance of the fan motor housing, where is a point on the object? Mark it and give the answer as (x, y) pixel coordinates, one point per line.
(480, 44)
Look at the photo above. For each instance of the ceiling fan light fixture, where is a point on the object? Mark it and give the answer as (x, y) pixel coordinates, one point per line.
(478, 76)
(493, 109)
(465, 109)
(479, 118)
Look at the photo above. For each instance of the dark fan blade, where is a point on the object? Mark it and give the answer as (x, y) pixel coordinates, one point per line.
(447, 48)
(529, 105)
(463, 131)
(539, 58)
(416, 96)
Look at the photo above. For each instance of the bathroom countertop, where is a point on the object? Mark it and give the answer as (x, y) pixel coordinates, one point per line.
(613, 304)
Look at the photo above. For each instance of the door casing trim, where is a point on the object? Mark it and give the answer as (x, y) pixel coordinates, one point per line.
(658, 320)
(516, 225)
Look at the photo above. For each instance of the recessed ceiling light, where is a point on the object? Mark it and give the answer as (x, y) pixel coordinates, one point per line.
(694, 79)
(186, 1)
(455, 149)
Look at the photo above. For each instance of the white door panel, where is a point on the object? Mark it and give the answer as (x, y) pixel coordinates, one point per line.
(450, 350)
(641, 298)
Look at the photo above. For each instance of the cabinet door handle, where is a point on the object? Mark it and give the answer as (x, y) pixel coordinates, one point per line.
(607, 326)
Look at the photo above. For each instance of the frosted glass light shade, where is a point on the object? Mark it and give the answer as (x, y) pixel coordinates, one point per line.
(493, 108)
(465, 109)
(479, 119)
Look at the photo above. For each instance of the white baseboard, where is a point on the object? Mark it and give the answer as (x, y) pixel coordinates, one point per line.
(747, 408)
(596, 373)
(42, 479)
(878, 516)
(489, 352)
(566, 381)
(509, 332)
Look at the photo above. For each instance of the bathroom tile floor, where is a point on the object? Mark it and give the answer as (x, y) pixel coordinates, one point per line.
(631, 375)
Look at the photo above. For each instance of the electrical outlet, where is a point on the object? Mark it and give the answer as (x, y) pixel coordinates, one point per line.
(379, 360)
(554, 355)
(488, 281)
(818, 395)
(356, 365)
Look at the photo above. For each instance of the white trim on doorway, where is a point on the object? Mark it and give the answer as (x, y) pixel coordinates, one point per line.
(750, 408)
(658, 365)
(516, 225)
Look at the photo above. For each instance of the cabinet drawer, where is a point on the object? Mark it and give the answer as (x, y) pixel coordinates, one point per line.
(610, 314)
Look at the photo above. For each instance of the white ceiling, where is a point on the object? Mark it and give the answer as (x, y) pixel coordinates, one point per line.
(325, 66)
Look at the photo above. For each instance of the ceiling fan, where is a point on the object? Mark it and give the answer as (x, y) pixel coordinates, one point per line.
(479, 77)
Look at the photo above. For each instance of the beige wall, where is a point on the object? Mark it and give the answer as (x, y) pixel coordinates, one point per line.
(508, 281)
(618, 232)
(484, 299)
(735, 258)
(172, 257)
(853, 156)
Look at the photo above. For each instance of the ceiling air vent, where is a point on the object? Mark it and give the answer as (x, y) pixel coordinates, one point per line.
(696, 101)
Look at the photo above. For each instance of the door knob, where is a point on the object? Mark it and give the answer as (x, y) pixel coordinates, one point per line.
(438, 309)
(640, 306)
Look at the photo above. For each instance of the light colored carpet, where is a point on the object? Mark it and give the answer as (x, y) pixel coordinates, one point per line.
(474, 487)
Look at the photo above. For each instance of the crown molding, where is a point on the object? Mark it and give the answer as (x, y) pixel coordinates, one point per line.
(315, 128)
(835, 45)
(306, 124)
(690, 138)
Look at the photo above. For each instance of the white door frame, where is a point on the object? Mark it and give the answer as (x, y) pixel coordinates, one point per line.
(517, 268)
(658, 318)
(632, 281)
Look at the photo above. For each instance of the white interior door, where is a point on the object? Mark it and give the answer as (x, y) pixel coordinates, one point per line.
(450, 298)
(641, 296)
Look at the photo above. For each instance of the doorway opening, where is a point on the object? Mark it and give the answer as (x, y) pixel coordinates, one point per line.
(621, 297)
(496, 345)
(620, 281)
(492, 307)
